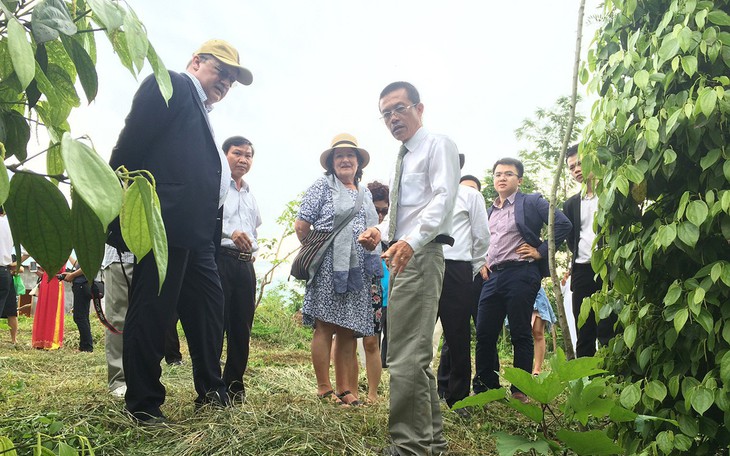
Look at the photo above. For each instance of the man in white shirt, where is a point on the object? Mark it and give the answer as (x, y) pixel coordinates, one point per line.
(581, 209)
(422, 198)
(457, 303)
(241, 219)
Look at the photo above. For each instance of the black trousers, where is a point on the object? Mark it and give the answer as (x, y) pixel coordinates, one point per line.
(172, 343)
(455, 311)
(510, 292)
(238, 280)
(193, 290)
(444, 370)
(6, 282)
(583, 285)
(82, 301)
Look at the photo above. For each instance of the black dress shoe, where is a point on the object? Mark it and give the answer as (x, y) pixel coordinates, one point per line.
(146, 420)
(213, 399)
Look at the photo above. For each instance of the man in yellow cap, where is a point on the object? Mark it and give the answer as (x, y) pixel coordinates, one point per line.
(174, 141)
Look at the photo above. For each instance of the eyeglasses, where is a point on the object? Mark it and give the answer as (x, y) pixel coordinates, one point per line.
(506, 174)
(400, 110)
(381, 210)
(225, 75)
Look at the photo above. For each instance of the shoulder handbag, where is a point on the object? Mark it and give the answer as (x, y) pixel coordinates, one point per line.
(310, 256)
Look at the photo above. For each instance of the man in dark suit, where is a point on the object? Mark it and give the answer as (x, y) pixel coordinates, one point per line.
(174, 141)
(580, 210)
(517, 260)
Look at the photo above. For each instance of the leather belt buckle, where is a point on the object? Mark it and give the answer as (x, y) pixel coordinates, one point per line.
(244, 257)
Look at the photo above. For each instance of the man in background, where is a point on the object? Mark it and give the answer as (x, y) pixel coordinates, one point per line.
(516, 263)
(241, 219)
(581, 210)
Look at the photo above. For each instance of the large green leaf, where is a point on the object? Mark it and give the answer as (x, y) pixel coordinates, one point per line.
(680, 318)
(725, 367)
(133, 221)
(88, 236)
(84, 66)
(161, 74)
(40, 220)
(481, 399)
(137, 42)
(153, 211)
(108, 13)
(508, 445)
(623, 282)
(49, 18)
(656, 390)
(630, 396)
(17, 134)
(532, 412)
(719, 17)
(93, 179)
(669, 48)
(21, 52)
(4, 179)
(702, 399)
(688, 233)
(589, 443)
(544, 390)
(697, 212)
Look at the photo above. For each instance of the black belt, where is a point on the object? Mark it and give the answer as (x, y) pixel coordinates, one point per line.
(443, 239)
(440, 239)
(240, 256)
(509, 264)
(5, 267)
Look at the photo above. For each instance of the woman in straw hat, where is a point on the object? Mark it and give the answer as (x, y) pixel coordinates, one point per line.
(337, 300)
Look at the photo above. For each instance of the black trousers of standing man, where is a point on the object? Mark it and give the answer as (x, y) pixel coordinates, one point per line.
(583, 284)
(455, 311)
(238, 280)
(193, 289)
(510, 291)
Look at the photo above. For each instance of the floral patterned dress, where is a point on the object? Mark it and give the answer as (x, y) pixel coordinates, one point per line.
(354, 309)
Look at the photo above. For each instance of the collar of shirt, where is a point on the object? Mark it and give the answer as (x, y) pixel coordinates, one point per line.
(510, 199)
(199, 89)
(244, 185)
(416, 139)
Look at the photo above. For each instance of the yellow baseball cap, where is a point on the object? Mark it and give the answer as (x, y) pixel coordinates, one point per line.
(223, 51)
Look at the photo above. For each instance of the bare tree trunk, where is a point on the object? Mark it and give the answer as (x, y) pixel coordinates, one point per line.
(569, 351)
(269, 275)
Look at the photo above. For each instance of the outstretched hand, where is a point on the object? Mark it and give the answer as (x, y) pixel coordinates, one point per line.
(369, 238)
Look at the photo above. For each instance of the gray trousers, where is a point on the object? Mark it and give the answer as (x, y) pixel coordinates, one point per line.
(415, 424)
(116, 301)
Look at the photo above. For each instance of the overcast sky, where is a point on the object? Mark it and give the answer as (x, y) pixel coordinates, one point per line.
(319, 66)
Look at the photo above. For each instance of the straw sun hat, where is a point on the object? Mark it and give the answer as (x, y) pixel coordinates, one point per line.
(344, 141)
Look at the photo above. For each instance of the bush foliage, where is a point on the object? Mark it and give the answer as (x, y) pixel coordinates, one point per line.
(657, 142)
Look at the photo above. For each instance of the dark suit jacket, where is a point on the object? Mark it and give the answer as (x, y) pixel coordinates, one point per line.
(531, 213)
(175, 143)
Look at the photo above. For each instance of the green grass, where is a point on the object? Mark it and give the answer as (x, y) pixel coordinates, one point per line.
(61, 398)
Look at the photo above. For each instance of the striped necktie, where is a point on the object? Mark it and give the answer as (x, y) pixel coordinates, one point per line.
(395, 192)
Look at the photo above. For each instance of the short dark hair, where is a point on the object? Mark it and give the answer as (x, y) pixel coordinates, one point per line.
(509, 161)
(237, 141)
(572, 150)
(330, 162)
(469, 177)
(379, 191)
(412, 92)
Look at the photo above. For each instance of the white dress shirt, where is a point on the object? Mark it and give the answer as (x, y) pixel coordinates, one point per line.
(428, 190)
(112, 256)
(6, 242)
(588, 208)
(470, 230)
(240, 212)
(225, 168)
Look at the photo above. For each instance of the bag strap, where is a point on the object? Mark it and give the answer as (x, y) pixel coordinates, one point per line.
(319, 256)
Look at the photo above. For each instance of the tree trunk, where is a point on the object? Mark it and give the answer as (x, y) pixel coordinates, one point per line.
(569, 351)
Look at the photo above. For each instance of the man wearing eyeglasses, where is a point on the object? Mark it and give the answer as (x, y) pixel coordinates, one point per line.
(174, 141)
(517, 260)
(422, 197)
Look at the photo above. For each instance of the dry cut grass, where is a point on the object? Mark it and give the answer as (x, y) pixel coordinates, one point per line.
(60, 397)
